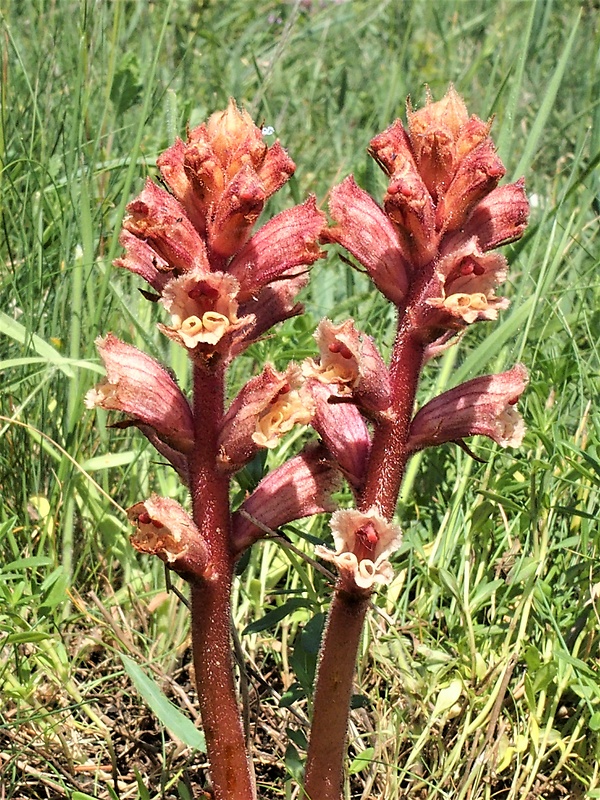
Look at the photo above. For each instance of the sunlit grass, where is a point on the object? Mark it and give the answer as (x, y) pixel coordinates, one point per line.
(478, 676)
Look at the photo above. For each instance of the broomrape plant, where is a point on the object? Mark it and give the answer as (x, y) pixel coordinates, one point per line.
(431, 251)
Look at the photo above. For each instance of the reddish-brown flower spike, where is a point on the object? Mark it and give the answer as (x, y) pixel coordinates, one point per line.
(300, 487)
(138, 386)
(223, 174)
(442, 135)
(484, 405)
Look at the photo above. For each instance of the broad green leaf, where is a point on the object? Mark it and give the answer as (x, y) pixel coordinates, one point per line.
(361, 761)
(447, 697)
(171, 717)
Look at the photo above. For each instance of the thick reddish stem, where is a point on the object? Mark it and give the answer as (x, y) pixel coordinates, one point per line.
(230, 770)
(333, 690)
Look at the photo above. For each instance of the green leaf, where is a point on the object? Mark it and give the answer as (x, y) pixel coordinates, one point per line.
(126, 88)
(276, 615)
(171, 717)
(293, 762)
(447, 697)
(361, 761)
(10, 327)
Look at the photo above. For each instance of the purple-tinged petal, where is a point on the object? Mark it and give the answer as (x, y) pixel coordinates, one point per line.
(476, 176)
(266, 408)
(284, 247)
(300, 487)
(141, 259)
(140, 387)
(350, 360)
(365, 231)
(484, 406)
(158, 218)
(344, 431)
(166, 530)
(500, 218)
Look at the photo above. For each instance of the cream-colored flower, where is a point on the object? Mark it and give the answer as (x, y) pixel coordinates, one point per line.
(363, 543)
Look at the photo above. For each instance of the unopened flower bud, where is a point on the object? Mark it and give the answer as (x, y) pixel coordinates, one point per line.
(300, 487)
(369, 235)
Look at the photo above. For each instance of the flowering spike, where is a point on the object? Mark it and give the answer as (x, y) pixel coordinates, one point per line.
(137, 385)
(300, 487)
(484, 405)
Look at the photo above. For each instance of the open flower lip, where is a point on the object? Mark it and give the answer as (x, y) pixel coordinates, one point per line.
(139, 386)
(363, 543)
(484, 405)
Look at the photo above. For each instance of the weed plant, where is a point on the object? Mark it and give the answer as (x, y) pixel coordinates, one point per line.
(478, 676)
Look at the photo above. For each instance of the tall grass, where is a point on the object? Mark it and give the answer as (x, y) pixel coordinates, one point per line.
(479, 671)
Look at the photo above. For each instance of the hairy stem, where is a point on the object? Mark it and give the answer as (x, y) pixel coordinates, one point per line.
(333, 691)
(230, 770)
